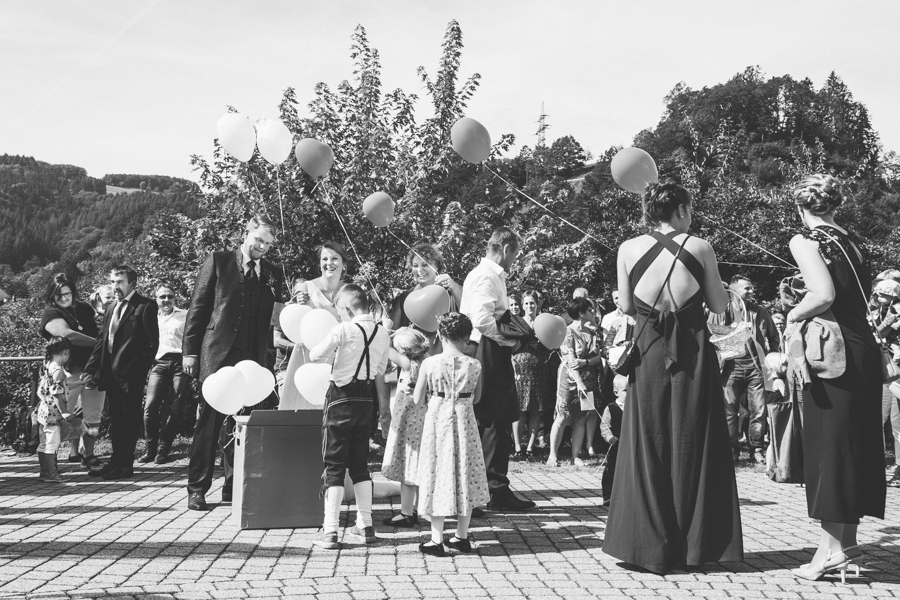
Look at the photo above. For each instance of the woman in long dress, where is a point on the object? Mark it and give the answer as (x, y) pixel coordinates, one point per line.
(532, 370)
(842, 434)
(320, 292)
(675, 500)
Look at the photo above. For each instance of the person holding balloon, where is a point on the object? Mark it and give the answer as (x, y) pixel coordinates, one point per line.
(678, 505)
(532, 379)
(319, 294)
(228, 322)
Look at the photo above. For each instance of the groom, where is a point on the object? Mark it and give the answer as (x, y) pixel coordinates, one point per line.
(484, 301)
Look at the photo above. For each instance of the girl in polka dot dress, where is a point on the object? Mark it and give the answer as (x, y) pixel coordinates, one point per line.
(451, 475)
(401, 453)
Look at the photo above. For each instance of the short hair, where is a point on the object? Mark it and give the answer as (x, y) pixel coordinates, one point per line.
(59, 281)
(577, 306)
(819, 194)
(893, 274)
(516, 297)
(619, 381)
(580, 293)
(56, 345)
(411, 343)
(95, 300)
(427, 252)
(166, 286)
(354, 296)
(262, 221)
(740, 277)
(129, 273)
(337, 249)
(661, 200)
(534, 295)
(502, 236)
(455, 326)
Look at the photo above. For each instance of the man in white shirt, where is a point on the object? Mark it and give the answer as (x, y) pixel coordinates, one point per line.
(484, 301)
(162, 419)
(617, 326)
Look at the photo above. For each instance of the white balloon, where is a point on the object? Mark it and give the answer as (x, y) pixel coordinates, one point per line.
(291, 318)
(225, 390)
(260, 381)
(237, 136)
(315, 326)
(312, 381)
(274, 140)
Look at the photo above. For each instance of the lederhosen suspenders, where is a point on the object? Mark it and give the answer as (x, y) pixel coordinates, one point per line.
(352, 389)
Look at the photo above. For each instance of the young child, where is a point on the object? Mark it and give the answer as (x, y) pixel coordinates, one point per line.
(611, 429)
(362, 354)
(451, 475)
(401, 454)
(52, 391)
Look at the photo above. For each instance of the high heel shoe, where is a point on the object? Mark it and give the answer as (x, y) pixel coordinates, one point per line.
(833, 562)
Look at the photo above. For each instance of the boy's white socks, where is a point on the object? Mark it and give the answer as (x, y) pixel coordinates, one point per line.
(363, 491)
(334, 497)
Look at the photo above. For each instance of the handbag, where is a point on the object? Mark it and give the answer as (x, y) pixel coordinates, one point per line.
(890, 372)
(819, 341)
(731, 340)
(626, 363)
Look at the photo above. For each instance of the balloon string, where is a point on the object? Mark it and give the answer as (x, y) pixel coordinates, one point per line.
(566, 365)
(567, 222)
(353, 247)
(266, 210)
(722, 262)
(752, 243)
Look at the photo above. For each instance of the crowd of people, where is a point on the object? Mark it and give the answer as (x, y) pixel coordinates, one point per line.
(646, 382)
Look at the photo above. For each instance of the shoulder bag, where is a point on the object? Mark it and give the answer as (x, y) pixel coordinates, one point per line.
(731, 340)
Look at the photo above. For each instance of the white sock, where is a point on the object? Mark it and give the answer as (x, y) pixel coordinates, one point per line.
(334, 497)
(462, 526)
(437, 530)
(363, 491)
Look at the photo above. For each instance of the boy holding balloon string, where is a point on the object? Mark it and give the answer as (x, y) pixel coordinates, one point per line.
(361, 348)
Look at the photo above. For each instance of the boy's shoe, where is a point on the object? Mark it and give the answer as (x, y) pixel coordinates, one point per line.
(327, 540)
(366, 535)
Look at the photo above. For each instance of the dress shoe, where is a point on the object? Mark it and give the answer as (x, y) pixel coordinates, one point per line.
(196, 501)
(508, 501)
(432, 549)
(459, 544)
(102, 470)
(162, 456)
(401, 520)
(226, 494)
(75, 458)
(119, 473)
(477, 513)
(147, 457)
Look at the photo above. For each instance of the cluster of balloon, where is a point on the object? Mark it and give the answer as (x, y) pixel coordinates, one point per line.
(550, 330)
(290, 319)
(314, 157)
(306, 325)
(230, 389)
(274, 140)
(471, 140)
(237, 136)
(425, 305)
(379, 209)
(633, 169)
(312, 381)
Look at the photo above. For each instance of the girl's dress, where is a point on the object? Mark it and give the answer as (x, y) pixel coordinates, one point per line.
(49, 385)
(290, 397)
(451, 475)
(401, 454)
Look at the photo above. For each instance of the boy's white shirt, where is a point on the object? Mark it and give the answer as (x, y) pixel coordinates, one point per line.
(347, 339)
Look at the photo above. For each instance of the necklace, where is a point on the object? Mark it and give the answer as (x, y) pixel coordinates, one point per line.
(71, 310)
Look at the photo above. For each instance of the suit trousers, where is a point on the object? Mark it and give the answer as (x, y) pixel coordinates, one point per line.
(125, 400)
(212, 432)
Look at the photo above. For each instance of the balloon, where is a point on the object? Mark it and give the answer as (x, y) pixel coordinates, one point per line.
(633, 169)
(316, 325)
(225, 390)
(314, 157)
(237, 136)
(777, 362)
(424, 306)
(471, 140)
(274, 140)
(379, 208)
(312, 381)
(550, 330)
(260, 381)
(290, 319)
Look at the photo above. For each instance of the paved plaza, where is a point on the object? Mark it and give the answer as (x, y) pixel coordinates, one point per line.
(136, 539)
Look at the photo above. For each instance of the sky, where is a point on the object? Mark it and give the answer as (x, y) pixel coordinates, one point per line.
(137, 86)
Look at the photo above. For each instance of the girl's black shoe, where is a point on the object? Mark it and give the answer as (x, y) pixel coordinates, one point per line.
(461, 545)
(401, 520)
(432, 549)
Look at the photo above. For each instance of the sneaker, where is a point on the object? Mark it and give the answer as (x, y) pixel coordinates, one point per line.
(327, 540)
(365, 535)
(759, 456)
(578, 462)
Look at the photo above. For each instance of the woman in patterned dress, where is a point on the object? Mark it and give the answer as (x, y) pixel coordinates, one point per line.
(452, 477)
(532, 380)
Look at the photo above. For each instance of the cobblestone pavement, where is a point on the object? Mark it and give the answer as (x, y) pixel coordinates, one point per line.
(136, 539)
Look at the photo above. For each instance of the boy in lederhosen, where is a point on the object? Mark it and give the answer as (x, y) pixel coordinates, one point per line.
(361, 354)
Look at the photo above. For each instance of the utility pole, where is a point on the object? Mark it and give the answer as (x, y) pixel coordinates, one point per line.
(542, 128)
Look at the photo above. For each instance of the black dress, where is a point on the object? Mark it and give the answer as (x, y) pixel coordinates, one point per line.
(842, 436)
(674, 499)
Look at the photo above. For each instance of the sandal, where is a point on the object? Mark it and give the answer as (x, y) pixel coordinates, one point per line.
(91, 461)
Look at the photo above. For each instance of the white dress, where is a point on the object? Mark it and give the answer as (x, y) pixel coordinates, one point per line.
(401, 453)
(290, 396)
(451, 475)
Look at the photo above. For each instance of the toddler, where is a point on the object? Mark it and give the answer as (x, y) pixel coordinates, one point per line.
(611, 429)
(52, 409)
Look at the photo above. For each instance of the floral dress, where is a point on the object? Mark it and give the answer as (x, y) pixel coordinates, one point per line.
(533, 377)
(52, 382)
(451, 475)
(401, 453)
(580, 344)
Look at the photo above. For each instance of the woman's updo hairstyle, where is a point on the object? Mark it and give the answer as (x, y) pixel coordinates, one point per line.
(337, 249)
(661, 200)
(819, 194)
(534, 295)
(455, 326)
